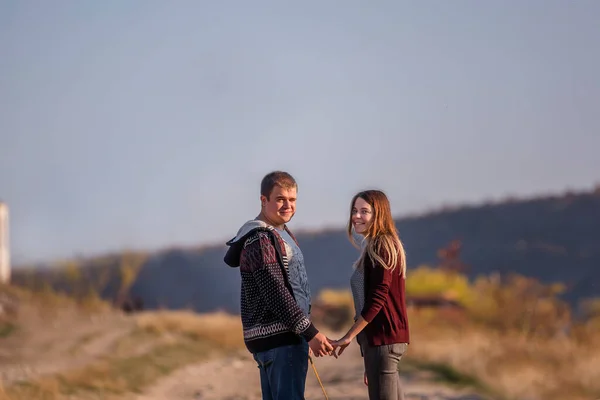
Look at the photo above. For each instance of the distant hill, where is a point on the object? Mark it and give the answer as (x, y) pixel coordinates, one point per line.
(552, 238)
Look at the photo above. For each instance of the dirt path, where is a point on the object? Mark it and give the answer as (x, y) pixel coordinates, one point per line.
(237, 378)
(47, 346)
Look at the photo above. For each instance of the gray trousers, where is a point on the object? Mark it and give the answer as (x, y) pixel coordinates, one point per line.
(381, 365)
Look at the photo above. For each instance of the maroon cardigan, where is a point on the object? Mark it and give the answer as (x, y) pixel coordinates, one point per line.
(385, 305)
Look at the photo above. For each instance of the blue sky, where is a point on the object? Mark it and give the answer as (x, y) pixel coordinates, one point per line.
(147, 124)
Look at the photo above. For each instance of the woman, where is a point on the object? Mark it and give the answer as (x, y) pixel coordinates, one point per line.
(378, 288)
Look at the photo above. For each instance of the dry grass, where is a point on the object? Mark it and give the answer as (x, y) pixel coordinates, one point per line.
(219, 328)
(119, 374)
(150, 345)
(506, 359)
(50, 304)
(517, 366)
(506, 364)
(535, 368)
(338, 298)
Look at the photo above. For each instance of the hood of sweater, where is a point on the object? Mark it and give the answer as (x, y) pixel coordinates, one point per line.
(236, 244)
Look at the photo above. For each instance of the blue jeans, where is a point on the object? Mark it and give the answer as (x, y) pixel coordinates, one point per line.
(283, 372)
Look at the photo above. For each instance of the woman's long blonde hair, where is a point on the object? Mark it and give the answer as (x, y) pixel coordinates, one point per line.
(382, 243)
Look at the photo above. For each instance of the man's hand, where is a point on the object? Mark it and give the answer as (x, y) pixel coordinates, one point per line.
(365, 380)
(320, 346)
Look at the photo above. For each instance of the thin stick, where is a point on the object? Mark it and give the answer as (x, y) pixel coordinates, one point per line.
(317, 375)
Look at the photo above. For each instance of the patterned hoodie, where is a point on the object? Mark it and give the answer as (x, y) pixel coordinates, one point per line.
(270, 315)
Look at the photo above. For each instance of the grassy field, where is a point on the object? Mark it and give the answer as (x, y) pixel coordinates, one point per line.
(89, 351)
(513, 339)
(510, 365)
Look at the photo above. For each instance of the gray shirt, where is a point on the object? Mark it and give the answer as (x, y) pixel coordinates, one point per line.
(357, 284)
(298, 276)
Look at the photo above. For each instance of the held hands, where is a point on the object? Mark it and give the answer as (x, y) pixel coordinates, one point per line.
(340, 344)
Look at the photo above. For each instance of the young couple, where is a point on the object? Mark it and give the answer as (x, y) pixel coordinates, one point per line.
(276, 297)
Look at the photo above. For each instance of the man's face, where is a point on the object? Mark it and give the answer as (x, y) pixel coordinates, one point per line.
(280, 207)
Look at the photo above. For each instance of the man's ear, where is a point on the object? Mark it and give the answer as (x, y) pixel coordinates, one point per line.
(263, 200)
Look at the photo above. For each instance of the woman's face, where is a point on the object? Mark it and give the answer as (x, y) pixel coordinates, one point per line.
(362, 214)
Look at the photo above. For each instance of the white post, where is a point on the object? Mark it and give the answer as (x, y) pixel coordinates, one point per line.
(4, 245)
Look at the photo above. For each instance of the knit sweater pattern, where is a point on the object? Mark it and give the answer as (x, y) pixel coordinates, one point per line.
(270, 314)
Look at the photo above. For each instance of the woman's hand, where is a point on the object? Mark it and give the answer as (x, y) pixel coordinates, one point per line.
(341, 344)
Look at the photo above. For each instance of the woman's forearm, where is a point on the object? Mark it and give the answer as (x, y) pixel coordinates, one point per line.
(356, 328)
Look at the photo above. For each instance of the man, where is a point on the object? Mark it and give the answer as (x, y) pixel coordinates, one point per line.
(275, 296)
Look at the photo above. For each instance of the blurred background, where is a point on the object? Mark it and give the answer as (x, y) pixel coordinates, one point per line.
(134, 135)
